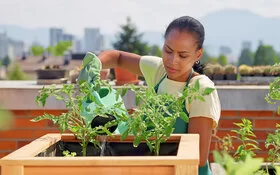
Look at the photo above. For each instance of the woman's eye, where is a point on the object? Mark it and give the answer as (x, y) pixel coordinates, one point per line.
(183, 56)
(168, 51)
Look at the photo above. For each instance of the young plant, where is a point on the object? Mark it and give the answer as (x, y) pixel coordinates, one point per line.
(248, 166)
(154, 118)
(273, 142)
(273, 97)
(76, 118)
(245, 134)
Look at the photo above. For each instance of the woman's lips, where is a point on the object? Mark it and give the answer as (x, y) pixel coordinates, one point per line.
(171, 70)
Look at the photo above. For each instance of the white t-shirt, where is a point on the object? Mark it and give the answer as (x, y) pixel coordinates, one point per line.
(153, 70)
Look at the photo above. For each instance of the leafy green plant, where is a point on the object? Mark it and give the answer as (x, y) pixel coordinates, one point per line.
(224, 144)
(74, 119)
(273, 142)
(273, 97)
(247, 166)
(245, 135)
(67, 153)
(156, 114)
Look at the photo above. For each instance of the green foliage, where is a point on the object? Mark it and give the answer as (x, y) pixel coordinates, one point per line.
(273, 142)
(265, 55)
(74, 120)
(245, 134)
(273, 97)
(248, 166)
(59, 48)
(246, 57)
(205, 57)
(156, 114)
(222, 60)
(37, 50)
(155, 50)
(130, 40)
(15, 72)
(6, 61)
(67, 153)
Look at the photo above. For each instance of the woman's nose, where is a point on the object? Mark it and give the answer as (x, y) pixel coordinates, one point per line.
(174, 59)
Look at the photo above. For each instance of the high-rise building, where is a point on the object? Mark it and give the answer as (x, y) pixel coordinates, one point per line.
(10, 47)
(4, 44)
(56, 35)
(93, 39)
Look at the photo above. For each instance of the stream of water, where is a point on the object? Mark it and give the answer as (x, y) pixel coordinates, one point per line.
(103, 144)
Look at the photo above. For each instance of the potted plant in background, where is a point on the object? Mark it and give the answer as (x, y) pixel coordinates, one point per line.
(51, 74)
(267, 71)
(257, 71)
(125, 77)
(230, 72)
(208, 71)
(275, 70)
(218, 72)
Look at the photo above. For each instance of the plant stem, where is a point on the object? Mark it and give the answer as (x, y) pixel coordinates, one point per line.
(84, 148)
(157, 145)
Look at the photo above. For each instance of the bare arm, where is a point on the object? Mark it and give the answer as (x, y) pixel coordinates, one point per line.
(203, 127)
(126, 60)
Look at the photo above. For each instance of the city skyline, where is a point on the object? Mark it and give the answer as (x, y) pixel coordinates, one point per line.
(73, 15)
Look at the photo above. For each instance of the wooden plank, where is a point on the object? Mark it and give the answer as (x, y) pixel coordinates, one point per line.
(186, 170)
(12, 170)
(189, 147)
(106, 170)
(35, 147)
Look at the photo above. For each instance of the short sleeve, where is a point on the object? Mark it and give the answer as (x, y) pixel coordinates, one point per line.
(211, 107)
(152, 69)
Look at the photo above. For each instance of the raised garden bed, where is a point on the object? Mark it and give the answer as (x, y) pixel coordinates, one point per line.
(178, 156)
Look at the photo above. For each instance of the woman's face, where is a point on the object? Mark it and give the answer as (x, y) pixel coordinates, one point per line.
(179, 54)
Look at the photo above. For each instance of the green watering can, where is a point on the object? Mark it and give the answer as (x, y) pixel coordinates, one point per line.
(90, 72)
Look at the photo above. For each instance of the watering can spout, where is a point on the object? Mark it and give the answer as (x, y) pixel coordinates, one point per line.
(103, 96)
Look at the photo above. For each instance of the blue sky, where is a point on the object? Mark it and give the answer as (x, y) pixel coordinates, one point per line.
(152, 15)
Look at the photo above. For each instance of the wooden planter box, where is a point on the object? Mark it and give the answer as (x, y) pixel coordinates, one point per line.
(26, 160)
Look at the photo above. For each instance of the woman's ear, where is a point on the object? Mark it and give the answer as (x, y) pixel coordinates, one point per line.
(199, 54)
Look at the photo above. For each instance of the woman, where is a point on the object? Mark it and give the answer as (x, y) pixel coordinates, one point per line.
(181, 53)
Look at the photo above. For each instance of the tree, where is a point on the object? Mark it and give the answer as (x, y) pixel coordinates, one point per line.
(130, 40)
(16, 73)
(222, 60)
(37, 50)
(61, 47)
(205, 57)
(6, 61)
(155, 50)
(246, 57)
(265, 55)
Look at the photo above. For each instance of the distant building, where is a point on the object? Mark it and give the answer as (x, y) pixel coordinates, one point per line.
(56, 35)
(10, 47)
(94, 41)
(4, 44)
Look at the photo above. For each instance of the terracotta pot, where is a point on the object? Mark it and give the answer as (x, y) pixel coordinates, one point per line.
(104, 74)
(125, 77)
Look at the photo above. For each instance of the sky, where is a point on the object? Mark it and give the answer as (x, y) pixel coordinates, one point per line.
(148, 15)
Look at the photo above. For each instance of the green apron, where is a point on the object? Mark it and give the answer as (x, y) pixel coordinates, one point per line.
(182, 127)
